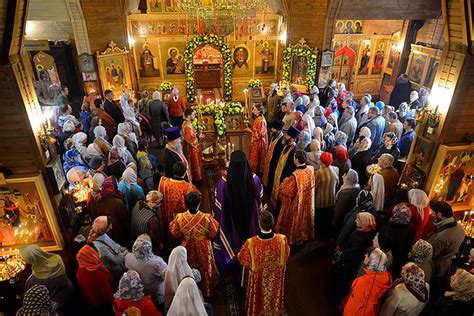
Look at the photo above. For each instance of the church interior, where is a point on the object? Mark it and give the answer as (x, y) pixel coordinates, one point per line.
(219, 72)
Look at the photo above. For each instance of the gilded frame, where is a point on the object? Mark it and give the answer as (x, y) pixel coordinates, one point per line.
(30, 194)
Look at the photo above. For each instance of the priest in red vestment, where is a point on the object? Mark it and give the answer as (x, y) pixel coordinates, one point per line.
(259, 144)
(275, 148)
(174, 152)
(285, 165)
(296, 193)
(265, 255)
(191, 146)
(196, 229)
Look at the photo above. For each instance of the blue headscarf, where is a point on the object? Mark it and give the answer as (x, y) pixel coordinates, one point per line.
(72, 159)
(304, 140)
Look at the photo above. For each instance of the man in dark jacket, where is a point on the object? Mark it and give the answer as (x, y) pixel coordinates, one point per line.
(111, 108)
(158, 113)
(401, 91)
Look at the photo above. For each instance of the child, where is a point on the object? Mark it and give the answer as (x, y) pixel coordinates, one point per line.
(146, 170)
(85, 119)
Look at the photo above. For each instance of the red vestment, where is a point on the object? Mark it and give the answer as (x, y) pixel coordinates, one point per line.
(268, 158)
(296, 218)
(259, 145)
(266, 259)
(191, 149)
(196, 231)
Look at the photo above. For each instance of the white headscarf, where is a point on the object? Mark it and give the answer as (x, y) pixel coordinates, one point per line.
(308, 119)
(68, 126)
(378, 191)
(314, 90)
(119, 143)
(124, 101)
(100, 132)
(365, 131)
(187, 300)
(156, 95)
(97, 181)
(75, 175)
(129, 177)
(419, 199)
(306, 100)
(178, 268)
(350, 181)
(274, 86)
(79, 139)
(93, 151)
(129, 115)
(124, 129)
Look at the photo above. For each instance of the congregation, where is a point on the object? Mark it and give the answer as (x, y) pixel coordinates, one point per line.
(325, 167)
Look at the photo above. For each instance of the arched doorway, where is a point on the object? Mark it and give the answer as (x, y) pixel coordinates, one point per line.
(208, 72)
(343, 65)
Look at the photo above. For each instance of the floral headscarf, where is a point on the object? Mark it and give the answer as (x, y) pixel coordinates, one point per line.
(114, 156)
(462, 284)
(88, 258)
(392, 136)
(72, 159)
(142, 248)
(365, 201)
(109, 188)
(401, 214)
(422, 251)
(367, 220)
(37, 302)
(124, 129)
(414, 279)
(130, 287)
(377, 261)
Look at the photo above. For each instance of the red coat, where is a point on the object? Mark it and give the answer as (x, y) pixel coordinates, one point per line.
(95, 286)
(145, 306)
(176, 108)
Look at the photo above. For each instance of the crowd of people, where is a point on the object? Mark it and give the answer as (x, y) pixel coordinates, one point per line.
(325, 167)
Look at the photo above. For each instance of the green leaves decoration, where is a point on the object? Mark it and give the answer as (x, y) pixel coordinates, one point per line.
(299, 50)
(218, 112)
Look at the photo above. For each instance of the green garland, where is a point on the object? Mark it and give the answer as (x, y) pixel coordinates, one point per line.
(188, 62)
(300, 51)
(166, 86)
(217, 111)
(255, 83)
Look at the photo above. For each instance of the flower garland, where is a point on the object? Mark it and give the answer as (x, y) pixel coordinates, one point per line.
(218, 111)
(166, 86)
(300, 50)
(188, 64)
(255, 83)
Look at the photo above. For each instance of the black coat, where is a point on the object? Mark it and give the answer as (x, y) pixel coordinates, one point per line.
(360, 161)
(158, 115)
(111, 109)
(273, 164)
(400, 94)
(394, 151)
(170, 159)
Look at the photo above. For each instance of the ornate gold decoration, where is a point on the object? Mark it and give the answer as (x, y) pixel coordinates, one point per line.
(113, 49)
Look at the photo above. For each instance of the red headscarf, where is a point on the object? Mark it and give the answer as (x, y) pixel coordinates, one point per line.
(341, 154)
(326, 158)
(88, 258)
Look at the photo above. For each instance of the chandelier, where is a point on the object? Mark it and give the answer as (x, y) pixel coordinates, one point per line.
(221, 16)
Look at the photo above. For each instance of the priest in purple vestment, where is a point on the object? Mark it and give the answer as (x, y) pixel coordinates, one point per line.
(237, 206)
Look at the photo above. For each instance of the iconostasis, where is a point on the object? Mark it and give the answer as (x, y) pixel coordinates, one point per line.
(159, 40)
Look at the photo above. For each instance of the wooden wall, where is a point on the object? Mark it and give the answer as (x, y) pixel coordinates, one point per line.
(431, 33)
(105, 20)
(379, 27)
(307, 19)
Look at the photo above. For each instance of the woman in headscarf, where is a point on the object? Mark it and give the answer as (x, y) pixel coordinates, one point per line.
(396, 236)
(342, 94)
(329, 138)
(319, 118)
(237, 205)
(115, 165)
(119, 146)
(353, 250)
(178, 269)
(130, 138)
(94, 280)
(48, 270)
(460, 300)
(125, 101)
(259, 139)
(304, 139)
(389, 146)
(100, 146)
(308, 119)
(361, 159)
(368, 290)
(150, 267)
(409, 294)
(404, 112)
(364, 203)
(67, 132)
(341, 156)
(422, 254)
(111, 254)
(72, 159)
(332, 119)
(110, 202)
(318, 135)
(37, 301)
(377, 188)
(130, 117)
(345, 198)
(312, 157)
(420, 201)
(187, 300)
(130, 189)
(130, 294)
(79, 141)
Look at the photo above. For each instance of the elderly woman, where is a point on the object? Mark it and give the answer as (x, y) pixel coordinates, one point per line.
(95, 281)
(37, 301)
(422, 254)
(178, 269)
(318, 135)
(404, 112)
(420, 201)
(130, 189)
(332, 119)
(304, 139)
(67, 132)
(143, 104)
(308, 119)
(328, 137)
(408, 294)
(111, 254)
(389, 146)
(110, 202)
(368, 290)
(361, 159)
(130, 294)
(79, 141)
(119, 146)
(188, 300)
(460, 300)
(126, 131)
(353, 250)
(345, 197)
(319, 118)
(150, 267)
(376, 186)
(341, 156)
(312, 157)
(47, 269)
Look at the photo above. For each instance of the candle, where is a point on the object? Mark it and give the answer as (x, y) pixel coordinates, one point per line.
(465, 215)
